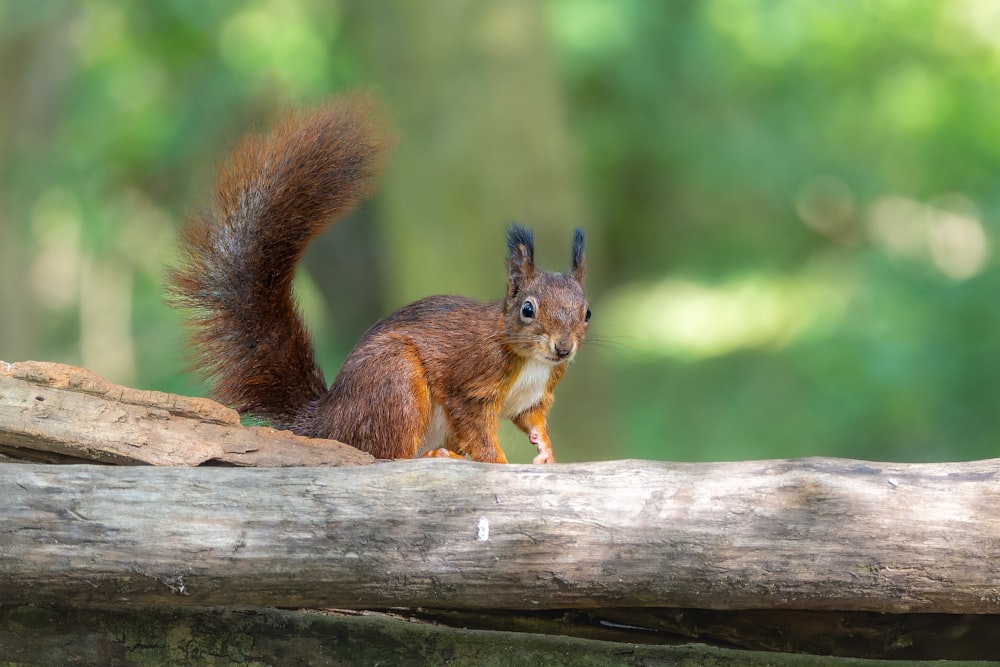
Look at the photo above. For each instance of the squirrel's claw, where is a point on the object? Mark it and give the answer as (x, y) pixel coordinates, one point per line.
(544, 447)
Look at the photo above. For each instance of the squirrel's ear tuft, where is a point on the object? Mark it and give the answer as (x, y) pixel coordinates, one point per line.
(579, 267)
(521, 257)
(519, 237)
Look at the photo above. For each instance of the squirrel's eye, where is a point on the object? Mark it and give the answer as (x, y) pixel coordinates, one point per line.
(528, 310)
(586, 318)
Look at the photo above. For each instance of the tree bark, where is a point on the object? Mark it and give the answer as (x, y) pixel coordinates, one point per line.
(56, 413)
(184, 636)
(855, 634)
(817, 534)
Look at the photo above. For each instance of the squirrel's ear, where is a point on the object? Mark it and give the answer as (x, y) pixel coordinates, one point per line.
(520, 258)
(579, 267)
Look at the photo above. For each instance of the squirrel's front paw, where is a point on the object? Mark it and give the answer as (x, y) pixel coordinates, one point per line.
(544, 457)
(544, 447)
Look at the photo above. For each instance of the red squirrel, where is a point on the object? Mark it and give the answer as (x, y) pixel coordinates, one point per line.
(435, 377)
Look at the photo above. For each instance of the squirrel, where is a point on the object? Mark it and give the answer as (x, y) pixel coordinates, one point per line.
(434, 377)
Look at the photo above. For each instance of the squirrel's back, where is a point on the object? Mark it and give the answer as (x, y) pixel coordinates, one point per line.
(238, 258)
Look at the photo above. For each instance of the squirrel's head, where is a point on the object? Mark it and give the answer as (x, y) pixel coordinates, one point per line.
(546, 314)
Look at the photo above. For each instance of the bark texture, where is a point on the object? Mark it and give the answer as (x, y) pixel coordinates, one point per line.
(63, 414)
(816, 534)
(113, 637)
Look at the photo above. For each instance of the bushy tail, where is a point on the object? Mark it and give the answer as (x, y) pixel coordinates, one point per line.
(238, 259)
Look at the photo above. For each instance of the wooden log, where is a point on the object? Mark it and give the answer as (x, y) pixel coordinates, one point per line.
(821, 534)
(59, 414)
(193, 636)
(856, 634)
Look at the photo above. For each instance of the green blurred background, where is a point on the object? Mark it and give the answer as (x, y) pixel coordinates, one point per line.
(790, 207)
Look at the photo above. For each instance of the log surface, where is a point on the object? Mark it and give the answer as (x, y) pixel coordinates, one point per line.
(802, 534)
(56, 413)
(123, 637)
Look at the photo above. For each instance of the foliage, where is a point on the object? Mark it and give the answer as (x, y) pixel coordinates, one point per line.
(790, 206)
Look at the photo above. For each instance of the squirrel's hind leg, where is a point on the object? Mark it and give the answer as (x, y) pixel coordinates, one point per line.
(380, 402)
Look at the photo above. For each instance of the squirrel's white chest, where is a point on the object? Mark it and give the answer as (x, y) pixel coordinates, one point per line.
(527, 389)
(525, 393)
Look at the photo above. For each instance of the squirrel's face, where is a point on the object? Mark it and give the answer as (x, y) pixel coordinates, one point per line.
(548, 320)
(546, 314)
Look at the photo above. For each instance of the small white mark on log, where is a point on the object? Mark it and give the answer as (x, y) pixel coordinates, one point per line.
(483, 529)
(892, 482)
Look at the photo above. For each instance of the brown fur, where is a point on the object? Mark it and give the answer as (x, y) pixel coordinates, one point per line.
(444, 355)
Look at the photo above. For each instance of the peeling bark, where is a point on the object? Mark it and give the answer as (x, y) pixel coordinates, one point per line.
(62, 414)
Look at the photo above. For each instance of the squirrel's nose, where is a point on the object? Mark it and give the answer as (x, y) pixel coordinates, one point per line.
(562, 351)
